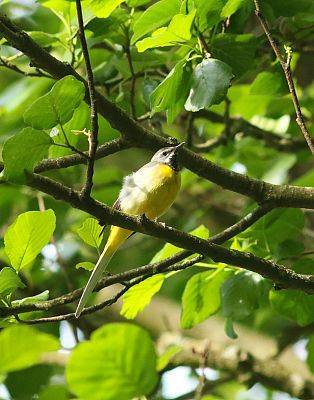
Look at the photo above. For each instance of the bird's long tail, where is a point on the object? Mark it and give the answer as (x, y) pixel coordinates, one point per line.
(116, 238)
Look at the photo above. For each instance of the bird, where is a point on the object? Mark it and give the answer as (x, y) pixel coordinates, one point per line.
(150, 192)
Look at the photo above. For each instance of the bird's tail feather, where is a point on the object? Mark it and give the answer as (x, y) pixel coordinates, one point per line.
(98, 271)
(116, 238)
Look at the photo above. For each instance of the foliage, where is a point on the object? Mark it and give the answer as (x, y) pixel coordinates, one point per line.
(200, 71)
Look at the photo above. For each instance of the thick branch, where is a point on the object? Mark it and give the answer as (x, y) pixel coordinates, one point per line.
(283, 276)
(285, 64)
(280, 196)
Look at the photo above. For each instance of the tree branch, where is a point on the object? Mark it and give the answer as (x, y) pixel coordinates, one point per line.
(280, 196)
(285, 64)
(283, 276)
(93, 137)
(169, 264)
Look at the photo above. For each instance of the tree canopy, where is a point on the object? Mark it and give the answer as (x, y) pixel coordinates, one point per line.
(217, 303)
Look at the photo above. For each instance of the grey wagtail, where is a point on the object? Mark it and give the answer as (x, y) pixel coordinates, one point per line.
(150, 191)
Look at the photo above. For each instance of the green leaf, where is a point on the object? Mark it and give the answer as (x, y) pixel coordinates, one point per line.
(23, 151)
(25, 384)
(140, 295)
(57, 106)
(166, 357)
(136, 3)
(293, 304)
(270, 84)
(155, 16)
(169, 249)
(291, 248)
(211, 80)
(310, 353)
(43, 296)
(273, 229)
(119, 361)
(88, 266)
(22, 346)
(241, 294)
(178, 31)
(208, 13)
(232, 6)
(201, 297)
(90, 231)
(43, 39)
(172, 92)
(237, 51)
(25, 238)
(9, 281)
(103, 8)
(54, 392)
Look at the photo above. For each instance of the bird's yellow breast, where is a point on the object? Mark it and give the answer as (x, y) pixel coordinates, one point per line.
(150, 191)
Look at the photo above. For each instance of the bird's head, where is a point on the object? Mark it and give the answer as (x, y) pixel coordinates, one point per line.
(168, 156)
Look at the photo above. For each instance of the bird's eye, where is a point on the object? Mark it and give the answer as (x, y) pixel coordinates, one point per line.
(164, 153)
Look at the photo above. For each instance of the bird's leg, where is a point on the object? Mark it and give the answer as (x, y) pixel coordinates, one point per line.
(160, 223)
(142, 219)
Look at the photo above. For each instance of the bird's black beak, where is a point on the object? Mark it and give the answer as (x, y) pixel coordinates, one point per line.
(176, 148)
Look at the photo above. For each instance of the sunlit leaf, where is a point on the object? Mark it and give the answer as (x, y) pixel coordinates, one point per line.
(270, 83)
(90, 232)
(140, 295)
(22, 346)
(57, 106)
(178, 31)
(23, 151)
(9, 281)
(29, 233)
(155, 16)
(172, 92)
(88, 266)
(165, 358)
(119, 361)
(208, 13)
(232, 6)
(201, 297)
(32, 299)
(103, 8)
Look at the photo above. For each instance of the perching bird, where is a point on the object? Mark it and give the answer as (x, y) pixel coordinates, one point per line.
(150, 191)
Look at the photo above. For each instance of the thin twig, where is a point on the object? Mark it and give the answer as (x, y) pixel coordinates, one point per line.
(285, 64)
(68, 144)
(93, 137)
(127, 49)
(202, 378)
